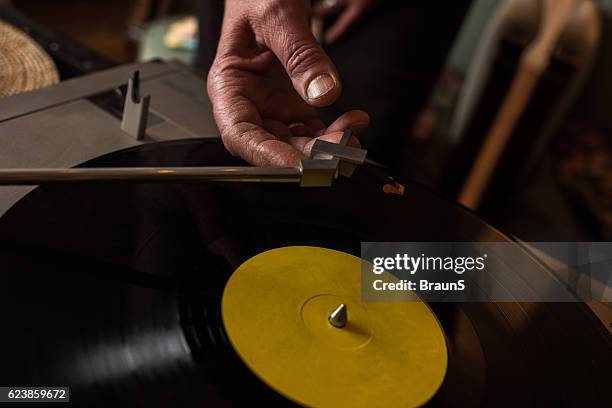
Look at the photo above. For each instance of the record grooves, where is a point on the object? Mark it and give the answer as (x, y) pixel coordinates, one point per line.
(126, 309)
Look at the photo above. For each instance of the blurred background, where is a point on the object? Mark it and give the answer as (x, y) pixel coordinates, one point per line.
(551, 179)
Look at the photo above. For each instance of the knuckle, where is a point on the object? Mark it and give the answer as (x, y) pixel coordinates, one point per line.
(280, 10)
(220, 77)
(266, 16)
(215, 75)
(212, 81)
(302, 57)
(219, 68)
(269, 10)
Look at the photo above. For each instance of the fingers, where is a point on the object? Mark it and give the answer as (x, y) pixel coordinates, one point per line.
(261, 148)
(333, 137)
(357, 121)
(300, 129)
(277, 128)
(326, 8)
(311, 71)
(246, 135)
(304, 144)
(316, 125)
(297, 129)
(336, 137)
(344, 22)
(278, 144)
(275, 152)
(304, 135)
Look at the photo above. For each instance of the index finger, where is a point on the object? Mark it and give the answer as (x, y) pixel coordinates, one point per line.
(259, 147)
(244, 134)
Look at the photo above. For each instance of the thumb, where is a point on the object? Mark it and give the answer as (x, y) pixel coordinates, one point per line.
(312, 72)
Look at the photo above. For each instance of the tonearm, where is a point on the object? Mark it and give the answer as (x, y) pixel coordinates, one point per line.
(327, 161)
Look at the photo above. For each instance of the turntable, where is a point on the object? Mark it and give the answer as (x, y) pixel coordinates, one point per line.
(78, 120)
(198, 293)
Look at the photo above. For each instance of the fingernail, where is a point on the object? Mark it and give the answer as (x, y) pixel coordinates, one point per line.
(320, 86)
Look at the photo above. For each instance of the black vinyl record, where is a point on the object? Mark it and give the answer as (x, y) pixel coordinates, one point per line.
(114, 289)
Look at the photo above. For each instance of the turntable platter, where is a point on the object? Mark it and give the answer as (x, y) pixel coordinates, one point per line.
(286, 338)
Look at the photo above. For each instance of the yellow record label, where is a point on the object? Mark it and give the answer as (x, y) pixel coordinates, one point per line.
(276, 310)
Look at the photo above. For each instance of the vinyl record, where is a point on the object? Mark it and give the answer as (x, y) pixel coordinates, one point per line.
(115, 290)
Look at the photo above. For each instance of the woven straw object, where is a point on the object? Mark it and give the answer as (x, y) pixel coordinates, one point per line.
(24, 65)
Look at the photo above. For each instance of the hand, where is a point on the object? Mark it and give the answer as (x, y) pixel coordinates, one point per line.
(349, 12)
(268, 77)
